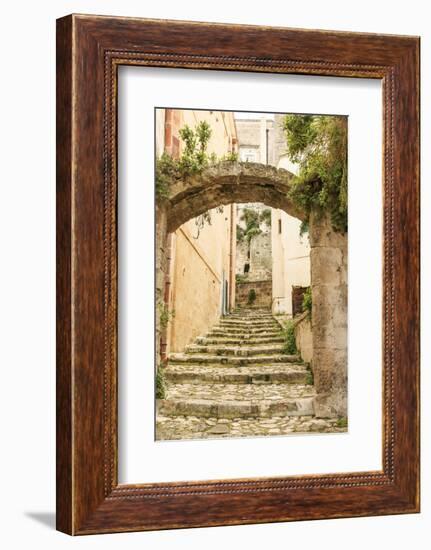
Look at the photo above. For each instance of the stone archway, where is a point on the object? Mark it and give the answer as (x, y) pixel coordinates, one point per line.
(234, 182)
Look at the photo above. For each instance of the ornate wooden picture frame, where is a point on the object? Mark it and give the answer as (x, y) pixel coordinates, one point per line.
(89, 51)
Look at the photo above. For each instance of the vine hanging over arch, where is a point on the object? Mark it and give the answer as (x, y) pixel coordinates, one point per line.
(319, 145)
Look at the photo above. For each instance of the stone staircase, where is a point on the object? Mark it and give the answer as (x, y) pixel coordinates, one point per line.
(237, 381)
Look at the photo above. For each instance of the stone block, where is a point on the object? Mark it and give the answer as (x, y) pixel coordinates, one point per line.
(233, 409)
(322, 234)
(330, 370)
(331, 405)
(327, 266)
(219, 429)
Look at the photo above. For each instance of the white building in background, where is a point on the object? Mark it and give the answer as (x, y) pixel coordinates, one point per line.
(290, 260)
(256, 138)
(290, 250)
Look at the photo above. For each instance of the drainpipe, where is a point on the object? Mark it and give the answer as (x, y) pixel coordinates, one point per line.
(164, 339)
(267, 144)
(169, 148)
(232, 263)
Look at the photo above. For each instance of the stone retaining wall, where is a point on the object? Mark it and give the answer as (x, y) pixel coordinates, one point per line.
(263, 291)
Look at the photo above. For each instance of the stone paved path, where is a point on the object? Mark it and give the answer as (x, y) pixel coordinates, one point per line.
(237, 381)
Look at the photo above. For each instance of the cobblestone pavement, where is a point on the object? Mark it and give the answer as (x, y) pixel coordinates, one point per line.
(192, 427)
(237, 381)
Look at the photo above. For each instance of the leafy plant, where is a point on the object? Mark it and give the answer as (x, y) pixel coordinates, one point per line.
(164, 314)
(265, 217)
(307, 301)
(309, 379)
(239, 278)
(319, 145)
(342, 422)
(253, 219)
(231, 157)
(251, 297)
(193, 159)
(289, 346)
(166, 171)
(160, 383)
(240, 233)
(304, 228)
(205, 218)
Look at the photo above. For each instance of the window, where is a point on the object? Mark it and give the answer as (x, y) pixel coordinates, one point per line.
(279, 226)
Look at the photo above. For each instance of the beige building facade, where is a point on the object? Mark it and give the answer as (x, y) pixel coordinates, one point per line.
(200, 285)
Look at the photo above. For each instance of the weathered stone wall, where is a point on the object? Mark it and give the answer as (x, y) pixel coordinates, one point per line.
(263, 291)
(260, 257)
(241, 257)
(329, 317)
(254, 259)
(304, 337)
(260, 261)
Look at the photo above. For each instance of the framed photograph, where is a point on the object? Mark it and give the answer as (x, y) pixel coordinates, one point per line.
(237, 274)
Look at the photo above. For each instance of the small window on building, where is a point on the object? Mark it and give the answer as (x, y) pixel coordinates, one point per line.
(279, 226)
(246, 268)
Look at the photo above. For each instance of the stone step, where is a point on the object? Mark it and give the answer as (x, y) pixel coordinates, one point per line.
(241, 351)
(243, 320)
(266, 316)
(239, 340)
(256, 316)
(244, 331)
(241, 323)
(235, 409)
(197, 359)
(262, 374)
(251, 311)
(233, 392)
(233, 401)
(247, 364)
